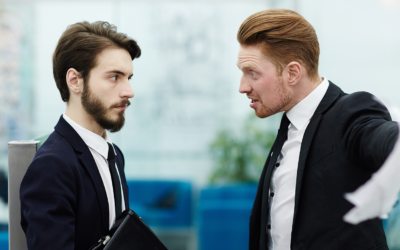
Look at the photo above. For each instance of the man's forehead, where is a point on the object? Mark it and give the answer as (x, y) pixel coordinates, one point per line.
(248, 56)
(250, 51)
(115, 59)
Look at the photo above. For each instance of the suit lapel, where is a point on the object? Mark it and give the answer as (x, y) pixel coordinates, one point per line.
(329, 99)
(87, 161)
(120, 166)
(305, 147)
(121, 169)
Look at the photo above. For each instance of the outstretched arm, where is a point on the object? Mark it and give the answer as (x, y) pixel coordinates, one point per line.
(378, 195)
(366, 131)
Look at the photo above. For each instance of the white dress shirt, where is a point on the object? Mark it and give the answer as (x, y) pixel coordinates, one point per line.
(99, 148)
(283, 180)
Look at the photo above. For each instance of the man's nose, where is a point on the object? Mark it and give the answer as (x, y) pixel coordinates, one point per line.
(244, 87)
(127, 91)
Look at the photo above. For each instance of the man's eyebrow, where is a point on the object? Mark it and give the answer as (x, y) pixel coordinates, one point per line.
(115, 71)
(246, 67)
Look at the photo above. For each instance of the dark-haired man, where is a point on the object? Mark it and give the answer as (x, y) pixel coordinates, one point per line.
(328, 144)
(75, 187)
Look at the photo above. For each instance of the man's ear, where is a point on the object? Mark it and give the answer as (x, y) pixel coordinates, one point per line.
(294, 73)
(74, 81)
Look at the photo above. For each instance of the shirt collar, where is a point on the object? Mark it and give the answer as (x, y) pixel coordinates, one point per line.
(300, 114)
(92, 140)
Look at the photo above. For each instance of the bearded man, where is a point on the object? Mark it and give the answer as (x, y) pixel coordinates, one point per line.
(328, 144)
(75, 187)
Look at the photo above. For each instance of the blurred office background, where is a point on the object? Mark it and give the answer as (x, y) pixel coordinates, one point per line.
(187, 110)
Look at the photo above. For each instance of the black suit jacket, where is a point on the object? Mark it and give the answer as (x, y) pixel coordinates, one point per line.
(64, 204)
(348, 138)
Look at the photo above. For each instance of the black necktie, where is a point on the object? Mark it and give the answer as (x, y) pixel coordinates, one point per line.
(115, 180)
(277, 148)
(281, 138)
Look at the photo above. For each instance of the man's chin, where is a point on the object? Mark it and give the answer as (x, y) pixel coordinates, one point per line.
(261, 114)
(112, 125)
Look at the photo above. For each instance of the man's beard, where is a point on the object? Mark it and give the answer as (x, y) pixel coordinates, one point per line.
(98, 110)
(285, 97)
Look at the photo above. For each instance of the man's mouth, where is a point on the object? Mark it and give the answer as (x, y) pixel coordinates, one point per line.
(122, 105)
(253, 102)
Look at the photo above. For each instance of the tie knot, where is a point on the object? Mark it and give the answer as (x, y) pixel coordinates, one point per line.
(111, 154)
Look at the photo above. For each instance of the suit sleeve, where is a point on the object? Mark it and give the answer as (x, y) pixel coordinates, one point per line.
(367, 132)
(47, 196)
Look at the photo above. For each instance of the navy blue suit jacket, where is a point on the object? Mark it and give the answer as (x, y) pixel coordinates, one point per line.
(64, 204)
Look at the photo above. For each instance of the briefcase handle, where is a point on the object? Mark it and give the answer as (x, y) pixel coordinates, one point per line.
(101, 243)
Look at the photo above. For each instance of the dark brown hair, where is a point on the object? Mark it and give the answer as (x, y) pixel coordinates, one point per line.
(79, 46)
(284, 36)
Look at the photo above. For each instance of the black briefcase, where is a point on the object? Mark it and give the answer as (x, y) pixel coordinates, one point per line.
(129, 233)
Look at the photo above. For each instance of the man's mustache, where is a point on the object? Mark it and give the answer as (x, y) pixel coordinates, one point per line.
(124, 103)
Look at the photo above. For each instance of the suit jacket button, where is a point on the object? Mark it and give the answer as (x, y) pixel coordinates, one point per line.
(269, 226)
(277, 164)
(272, 194)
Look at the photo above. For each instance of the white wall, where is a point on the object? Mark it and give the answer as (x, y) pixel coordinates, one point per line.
(359, 42)
(186, 80)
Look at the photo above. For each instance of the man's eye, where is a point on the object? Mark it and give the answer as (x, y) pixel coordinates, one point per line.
(114, 78)
(252, 74)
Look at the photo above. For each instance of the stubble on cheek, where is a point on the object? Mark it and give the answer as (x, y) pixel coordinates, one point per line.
(283, 99)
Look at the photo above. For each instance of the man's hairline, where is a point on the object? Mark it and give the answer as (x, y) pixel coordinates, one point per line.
(280, 67)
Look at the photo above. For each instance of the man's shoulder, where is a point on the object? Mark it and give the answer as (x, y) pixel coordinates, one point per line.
(359, 96)
(55, 162)
(355, 101)
(356, 109)
(360, 100)
(343, 99)
(56, 146)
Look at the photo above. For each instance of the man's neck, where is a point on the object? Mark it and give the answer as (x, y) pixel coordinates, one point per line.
(83, 119)
(303, 89)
